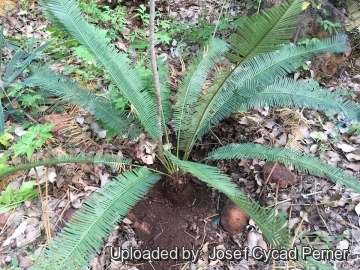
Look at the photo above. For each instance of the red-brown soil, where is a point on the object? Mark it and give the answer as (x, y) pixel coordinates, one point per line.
(168, 225)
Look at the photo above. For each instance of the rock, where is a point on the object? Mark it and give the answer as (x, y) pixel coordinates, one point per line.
(233, 219)
(281, 175)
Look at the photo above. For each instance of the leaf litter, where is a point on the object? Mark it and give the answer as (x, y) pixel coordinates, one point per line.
(321, 214)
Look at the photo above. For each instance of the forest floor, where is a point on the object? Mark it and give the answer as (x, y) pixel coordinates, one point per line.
(321, 214)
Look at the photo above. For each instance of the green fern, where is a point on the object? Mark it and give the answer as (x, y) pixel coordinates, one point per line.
(189, 137)
(70, 91)
(285, 92)
(112, 161)
(265, 32)
(248, 79)
(288, 157)
(66, 15)
(192, 83)
(85, 232)
(164, 78)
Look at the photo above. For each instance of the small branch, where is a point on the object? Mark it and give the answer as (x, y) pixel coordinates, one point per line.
(155, 74)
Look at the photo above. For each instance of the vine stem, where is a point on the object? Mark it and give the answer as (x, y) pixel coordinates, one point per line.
(155, 75)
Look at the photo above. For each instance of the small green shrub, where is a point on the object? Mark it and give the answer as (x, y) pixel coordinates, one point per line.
(329, 26)
(11, 199)
(33, 139)
(354, 129)
(15, 67)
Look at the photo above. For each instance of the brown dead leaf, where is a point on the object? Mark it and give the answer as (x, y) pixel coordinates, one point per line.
(331, 154)
(4, 218)
(43, 173)
(346, 147)
(77, 178)
(354, 167)
(352, 157)
(24, 261)
(260, 140)
(7, 4)
(19, 231)
(147, 159)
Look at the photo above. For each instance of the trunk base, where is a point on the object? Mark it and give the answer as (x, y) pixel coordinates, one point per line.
(179, 191)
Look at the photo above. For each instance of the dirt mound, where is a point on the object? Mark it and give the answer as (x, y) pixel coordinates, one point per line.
(167, 226)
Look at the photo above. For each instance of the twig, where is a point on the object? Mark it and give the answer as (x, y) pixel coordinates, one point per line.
(299, 225)
(190, 235)
(162, 230)
(186, 264)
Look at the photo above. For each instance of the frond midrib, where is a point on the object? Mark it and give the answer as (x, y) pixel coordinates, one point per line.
(310, 164)
(62, 160)
(312, 51)
(304, 96)
(203, 114)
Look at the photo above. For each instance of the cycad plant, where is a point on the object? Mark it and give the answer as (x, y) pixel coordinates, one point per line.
(205, 96)
(18, 63)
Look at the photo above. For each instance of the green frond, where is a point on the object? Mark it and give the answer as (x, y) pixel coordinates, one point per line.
(70, 91)
(264, 69)
(252, 77)
(273, 225)
(15, 67)
(112, 161)
(191, 85)
(265, 32)
(298, 160)
(66, 15)
(303, 93)
(84, 234)
(189, 137)
(165, 90)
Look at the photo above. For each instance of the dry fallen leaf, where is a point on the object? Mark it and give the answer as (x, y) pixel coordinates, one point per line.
(104, 178)
(357, 210)
(293, 222)
(331, 154)
(44, 174)
(18, 232)
(346, 147)
(147, 159)
(354, 167)
(352, 157)
(343, 244)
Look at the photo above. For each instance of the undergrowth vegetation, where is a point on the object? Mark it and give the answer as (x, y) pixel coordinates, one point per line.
(261, 58)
